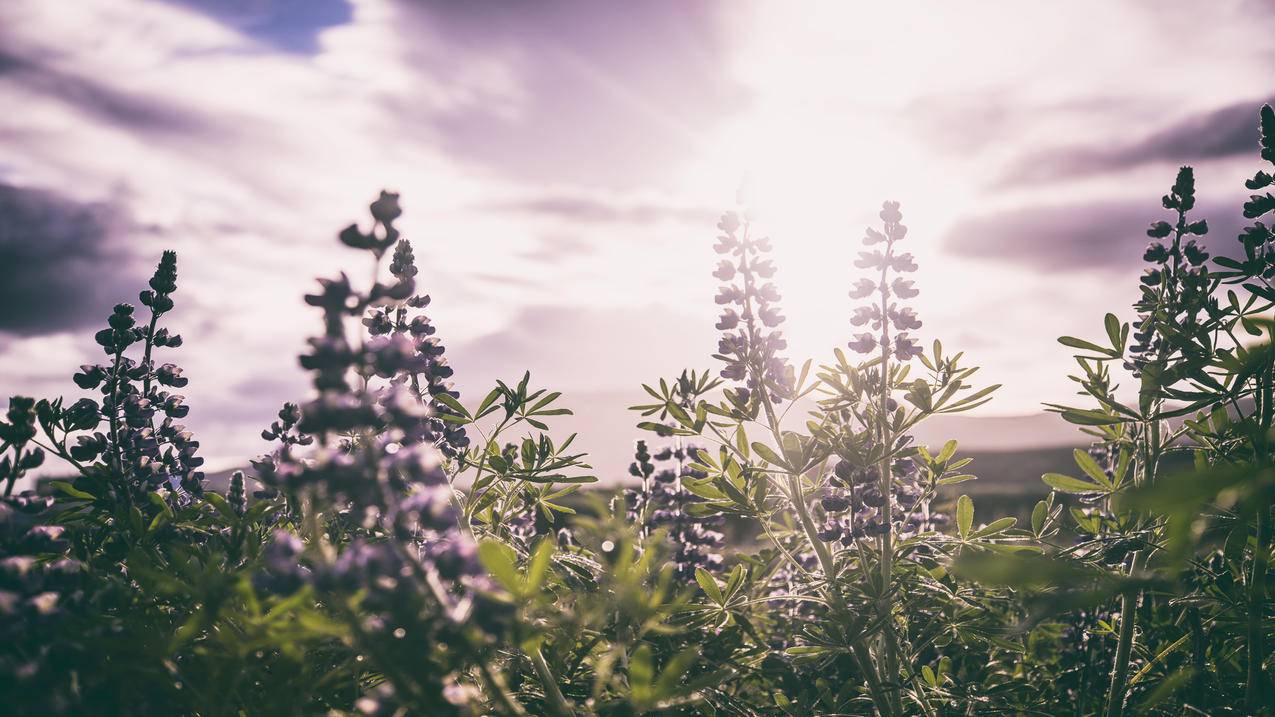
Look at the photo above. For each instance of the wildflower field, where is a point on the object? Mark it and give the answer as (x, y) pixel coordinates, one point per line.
(400, 549)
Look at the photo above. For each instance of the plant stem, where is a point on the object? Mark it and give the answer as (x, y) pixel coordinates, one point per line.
(1253, 690)
(1151, 449)
(553, 695)
(1120, 673)
(886, 487)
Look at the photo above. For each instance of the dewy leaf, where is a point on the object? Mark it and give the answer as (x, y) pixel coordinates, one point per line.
(964, 515)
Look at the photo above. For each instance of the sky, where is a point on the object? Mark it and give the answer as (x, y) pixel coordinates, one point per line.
(562, 165)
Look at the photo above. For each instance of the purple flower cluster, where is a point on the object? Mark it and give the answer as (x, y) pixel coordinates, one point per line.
(429, 377)
(16, 435)
(883, 313)
(143, 442)
(1175, 288)
(751, 343)
(38, 588)
(660, 501)
(375, 442)
(1258, 239)
(374, 452)
(853, 504)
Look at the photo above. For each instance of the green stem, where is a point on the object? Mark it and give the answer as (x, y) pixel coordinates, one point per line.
(1151, 449)
(553, 695)
(1256, 600)
(1257, 582)
(1124, 648)
(497, 689)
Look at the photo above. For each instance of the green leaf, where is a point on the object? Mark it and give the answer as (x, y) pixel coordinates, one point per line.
(769, 455)
(964, 515)
(1067, 484)
(538, 567)
(498, 558)
(448, 400)
(1091, 468)
(1112, 324)
(1039, 513)
(994, 527)
(65, 487)
(1091, 418)
(1083, 345)
(709, 585)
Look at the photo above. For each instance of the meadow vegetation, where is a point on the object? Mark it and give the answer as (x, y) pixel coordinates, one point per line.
(400, 549)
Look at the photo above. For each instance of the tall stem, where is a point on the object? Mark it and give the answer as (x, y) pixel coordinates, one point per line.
(1129, 602)
(886, 487)
(1257, 581)
(1128, 612)
(553, 695)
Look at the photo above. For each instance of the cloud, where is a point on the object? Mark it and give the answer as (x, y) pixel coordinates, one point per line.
(98, 101)
(1219, 133)
(555, 247)
(588, 348)
(1097, 236)
(581, 208)
(63, 264)
(607, 94)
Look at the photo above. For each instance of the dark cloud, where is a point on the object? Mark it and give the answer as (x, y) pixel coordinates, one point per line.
(588, 209)
(611, 93)
(111, 106)
(288, 25)
(1083, 236)
(62, 264)
(1220, 133)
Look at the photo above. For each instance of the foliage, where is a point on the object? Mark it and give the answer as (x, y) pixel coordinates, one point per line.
(404, 552)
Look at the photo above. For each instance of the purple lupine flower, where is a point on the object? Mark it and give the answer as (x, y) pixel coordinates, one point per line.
(660, 501)
(862, 288)
(905, 349)
(875, 314)
(863, 343)
(751, 344)
(1175, 287)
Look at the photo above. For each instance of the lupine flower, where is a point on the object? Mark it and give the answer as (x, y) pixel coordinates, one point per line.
(852, 501)
(1175, 287)
(902, 318)
(751, 346)
(370, 444)
(660, 501)
(150, 453)
(235, 495)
